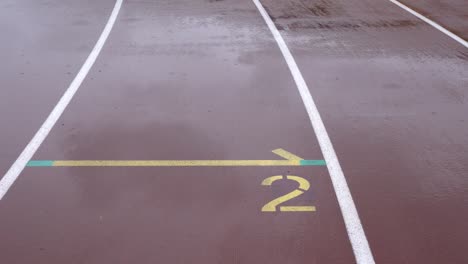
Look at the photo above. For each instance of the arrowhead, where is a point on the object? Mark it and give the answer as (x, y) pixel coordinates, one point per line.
(287, 155)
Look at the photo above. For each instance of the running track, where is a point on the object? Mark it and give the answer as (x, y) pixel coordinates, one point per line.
(142, 131)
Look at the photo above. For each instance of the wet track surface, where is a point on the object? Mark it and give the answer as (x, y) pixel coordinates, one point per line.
(451, 14)
(47, 44)
(205, 80)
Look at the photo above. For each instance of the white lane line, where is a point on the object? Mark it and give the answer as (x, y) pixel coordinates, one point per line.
(361, 249)
(432, 23)
(12, 174)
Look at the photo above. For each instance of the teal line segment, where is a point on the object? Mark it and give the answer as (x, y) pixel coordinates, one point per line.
(40, 163)
(313, 163)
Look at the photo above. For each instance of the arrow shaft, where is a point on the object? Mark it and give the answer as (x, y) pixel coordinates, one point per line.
(171, 163)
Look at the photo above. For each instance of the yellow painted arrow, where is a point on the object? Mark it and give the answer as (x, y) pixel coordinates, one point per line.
(290, 160)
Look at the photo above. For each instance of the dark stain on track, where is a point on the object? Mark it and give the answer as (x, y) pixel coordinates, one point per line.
(317, 9)
(462, 55)
(435, 11)
(304, 14)
(307, 8)
(342, 25)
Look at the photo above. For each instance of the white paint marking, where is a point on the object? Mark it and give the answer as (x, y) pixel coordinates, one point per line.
(432, 23)
(12, 174)
(361, 249)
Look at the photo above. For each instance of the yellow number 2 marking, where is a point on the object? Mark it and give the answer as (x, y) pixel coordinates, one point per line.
(303, 186)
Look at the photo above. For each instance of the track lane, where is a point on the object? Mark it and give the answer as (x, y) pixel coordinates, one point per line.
(44, 45)
(392, 92)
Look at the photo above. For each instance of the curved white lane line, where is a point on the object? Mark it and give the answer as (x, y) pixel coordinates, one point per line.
(12, 174)
(432, 23)
(361, 249)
